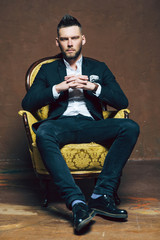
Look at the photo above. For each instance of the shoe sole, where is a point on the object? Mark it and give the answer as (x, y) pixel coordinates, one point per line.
(85, 222)
(111, 215)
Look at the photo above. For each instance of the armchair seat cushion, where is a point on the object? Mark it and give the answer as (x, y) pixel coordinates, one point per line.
(79, 157)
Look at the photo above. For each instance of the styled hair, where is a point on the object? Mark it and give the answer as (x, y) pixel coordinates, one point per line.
(68, 21)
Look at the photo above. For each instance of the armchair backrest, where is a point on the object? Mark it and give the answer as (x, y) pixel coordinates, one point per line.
(34, 68)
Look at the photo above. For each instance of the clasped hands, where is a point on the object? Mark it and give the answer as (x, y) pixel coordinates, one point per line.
(75, 82)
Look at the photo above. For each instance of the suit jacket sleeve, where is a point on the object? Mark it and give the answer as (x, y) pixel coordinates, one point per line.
(111, 93)
(40, 93)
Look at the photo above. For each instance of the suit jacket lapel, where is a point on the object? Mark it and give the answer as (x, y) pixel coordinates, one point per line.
(62, 73)
(61, 70)
(85, 70)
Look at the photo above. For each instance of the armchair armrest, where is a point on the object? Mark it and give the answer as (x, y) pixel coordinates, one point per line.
(28, 120)
(123, 113)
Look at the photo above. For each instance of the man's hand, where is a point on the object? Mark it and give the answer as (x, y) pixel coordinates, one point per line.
(75, 82)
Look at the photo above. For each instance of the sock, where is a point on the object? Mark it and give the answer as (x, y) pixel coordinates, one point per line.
(77, 201)
(95, 196)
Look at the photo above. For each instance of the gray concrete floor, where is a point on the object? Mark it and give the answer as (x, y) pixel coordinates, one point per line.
(22, 217)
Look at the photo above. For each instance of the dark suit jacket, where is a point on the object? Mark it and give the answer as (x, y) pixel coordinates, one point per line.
(40, 93)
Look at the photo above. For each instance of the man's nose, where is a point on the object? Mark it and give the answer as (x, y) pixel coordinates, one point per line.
(70, 43)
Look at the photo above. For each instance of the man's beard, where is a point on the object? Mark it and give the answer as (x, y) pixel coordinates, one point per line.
(75, 56)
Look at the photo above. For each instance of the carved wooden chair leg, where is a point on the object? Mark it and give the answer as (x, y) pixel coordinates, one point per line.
(116, 197)
(95, 181)
(44, 184)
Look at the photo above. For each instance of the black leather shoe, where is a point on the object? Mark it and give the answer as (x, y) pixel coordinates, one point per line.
(81, 216)
(106, 206)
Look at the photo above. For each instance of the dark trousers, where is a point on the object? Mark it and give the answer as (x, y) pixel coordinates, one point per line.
(52, 135)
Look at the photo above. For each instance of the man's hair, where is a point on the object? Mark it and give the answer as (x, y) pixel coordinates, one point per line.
(68, 21)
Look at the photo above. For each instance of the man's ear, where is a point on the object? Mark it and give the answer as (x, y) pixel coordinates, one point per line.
(83, 39)
(57, 42)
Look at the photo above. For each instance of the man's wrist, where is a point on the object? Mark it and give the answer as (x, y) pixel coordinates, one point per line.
(55, 93)
(95, 88)
(57, 89)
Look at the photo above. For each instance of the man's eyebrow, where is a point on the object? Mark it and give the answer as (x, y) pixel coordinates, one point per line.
(63, 38)
(73, 37)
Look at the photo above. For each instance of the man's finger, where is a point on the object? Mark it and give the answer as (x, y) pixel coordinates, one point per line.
(73, 79)
(79, 81)
(84, 77)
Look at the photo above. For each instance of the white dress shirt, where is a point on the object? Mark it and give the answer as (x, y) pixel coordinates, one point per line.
(76, 103)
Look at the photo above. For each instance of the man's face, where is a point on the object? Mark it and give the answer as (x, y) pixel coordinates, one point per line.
(70, 41)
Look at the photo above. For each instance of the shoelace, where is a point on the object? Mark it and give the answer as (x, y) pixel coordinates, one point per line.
(79, 206)
(110, 199)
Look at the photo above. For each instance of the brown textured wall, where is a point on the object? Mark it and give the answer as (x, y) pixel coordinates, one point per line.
(125, 34)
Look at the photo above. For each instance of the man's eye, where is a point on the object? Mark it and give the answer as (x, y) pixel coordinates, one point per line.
(63, 39)
(74, 38)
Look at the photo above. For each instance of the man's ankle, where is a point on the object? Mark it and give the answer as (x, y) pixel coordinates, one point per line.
(76, 202)
(95, 196)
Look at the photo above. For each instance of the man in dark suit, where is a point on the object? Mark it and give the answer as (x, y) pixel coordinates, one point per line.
(76, 88)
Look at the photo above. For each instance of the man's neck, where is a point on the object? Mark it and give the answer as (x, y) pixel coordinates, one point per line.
(72, 62)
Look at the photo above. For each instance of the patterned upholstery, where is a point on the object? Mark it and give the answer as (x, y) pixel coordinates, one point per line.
(80, 158)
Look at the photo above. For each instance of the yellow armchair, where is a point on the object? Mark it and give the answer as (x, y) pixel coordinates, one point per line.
(74, 154)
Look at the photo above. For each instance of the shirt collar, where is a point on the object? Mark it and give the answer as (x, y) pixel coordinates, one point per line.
(78, 63)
